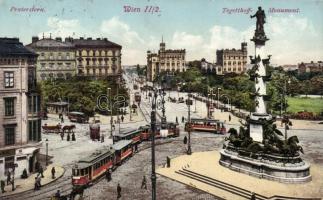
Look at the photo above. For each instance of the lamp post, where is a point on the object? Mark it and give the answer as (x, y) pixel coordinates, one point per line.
(189, 103)
(130, 104)
(111, 111)
(195, 104)
(218, 97)
(46, 152)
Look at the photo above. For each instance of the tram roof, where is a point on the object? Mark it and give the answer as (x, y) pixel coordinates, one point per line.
(97, 155)
(205, 120)
(127, 133)
(122, 143)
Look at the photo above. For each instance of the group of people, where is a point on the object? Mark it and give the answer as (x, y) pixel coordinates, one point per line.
(68, 138)
(10, 181)
(183, 119)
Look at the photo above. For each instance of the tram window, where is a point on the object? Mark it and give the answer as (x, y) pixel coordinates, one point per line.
(82, 172)
(85, 171)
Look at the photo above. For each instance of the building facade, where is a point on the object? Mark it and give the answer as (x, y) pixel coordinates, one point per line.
(232, 60)
(56, 58)
(97, 57)
(166, 60)
(20, 125)
(310, 67)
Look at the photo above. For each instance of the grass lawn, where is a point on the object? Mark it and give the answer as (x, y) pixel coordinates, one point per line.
(297, 104)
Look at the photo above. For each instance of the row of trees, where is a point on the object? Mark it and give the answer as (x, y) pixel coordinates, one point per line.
(239, 87)
(81, 93)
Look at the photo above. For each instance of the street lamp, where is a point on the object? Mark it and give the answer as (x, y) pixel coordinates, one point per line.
(189, 103)
(218, 97)
(154, 108)
(46, 152)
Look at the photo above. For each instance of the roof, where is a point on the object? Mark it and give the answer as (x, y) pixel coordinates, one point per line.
(127, 133)
(97, 155)
(204, 119)
(97, 43)
(12, 46)
(122, 143)
(50, 43)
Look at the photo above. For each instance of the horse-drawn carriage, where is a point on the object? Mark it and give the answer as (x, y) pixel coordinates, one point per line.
(58, 128)
(173, 100)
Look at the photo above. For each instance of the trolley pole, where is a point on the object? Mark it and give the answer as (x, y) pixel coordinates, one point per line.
(153, 128)
(189, 150)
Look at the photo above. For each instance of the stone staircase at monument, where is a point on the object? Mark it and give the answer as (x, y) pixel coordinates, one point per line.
(230, 188)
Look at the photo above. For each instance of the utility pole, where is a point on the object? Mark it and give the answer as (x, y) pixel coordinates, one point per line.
(189, 102)
(153, 129)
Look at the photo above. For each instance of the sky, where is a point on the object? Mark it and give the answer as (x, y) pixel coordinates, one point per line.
(199, 26)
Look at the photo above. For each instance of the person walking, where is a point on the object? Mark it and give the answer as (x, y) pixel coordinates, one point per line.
(176, 120)
(3, 184)
(185, 140)
(36, 184)
(41, 171)
(102, 138)
(8, 177)
(182, 119)
(73, 137)
(119, 191)
(62, 118)
(58, 194)
(229, 118)
(144, 183)
(108, 175)
(68, 137)
(122, 118)
(53, 172)
(62, 135)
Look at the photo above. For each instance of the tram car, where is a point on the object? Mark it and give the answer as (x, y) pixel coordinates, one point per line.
(123, 150)
(134, 135)
(137, 97)
(206, 125)
(87, 170)
(90, 168)
(171, 131)
(95, 131)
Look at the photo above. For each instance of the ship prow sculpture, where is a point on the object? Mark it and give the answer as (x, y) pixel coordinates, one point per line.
(259, 148)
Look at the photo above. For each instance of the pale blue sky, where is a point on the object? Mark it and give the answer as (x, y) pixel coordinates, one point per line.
(200, 26)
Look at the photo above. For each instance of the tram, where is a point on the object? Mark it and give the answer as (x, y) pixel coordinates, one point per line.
(134, 135)
(87, 170)
(207, 125)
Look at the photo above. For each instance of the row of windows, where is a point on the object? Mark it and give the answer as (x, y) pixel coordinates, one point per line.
(94, 71)
(97, 53)
(56, 56)
(101, 163)
(235, 57)
(233, 69)
(234, 63)
(16, 61)
(52, 65)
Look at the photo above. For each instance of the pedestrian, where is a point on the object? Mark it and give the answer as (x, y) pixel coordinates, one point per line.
(102, 138)
(182, 119)
(62, 135)
(73, 137)
(122, 118)
(36, 184)
(144, 183)
(53, 173)
(136, 148)
(41, 171)
(119, 191)
(68, 137)
(3, 184)
(58, 194)
(37, 166)
(229, 118)
(176, 120)
(8, 177)
(62, 118)
(185, 140)
(253, 196)
(24, 174)
(108, 175)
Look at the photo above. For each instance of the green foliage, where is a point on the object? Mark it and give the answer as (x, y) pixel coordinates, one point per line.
(81, 93)
(296, 104)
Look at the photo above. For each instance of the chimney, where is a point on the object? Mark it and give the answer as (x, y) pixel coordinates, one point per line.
(105, 39)
(34, 39)
(89, 38)
(58, 39)
(81, 38)
(98, 38)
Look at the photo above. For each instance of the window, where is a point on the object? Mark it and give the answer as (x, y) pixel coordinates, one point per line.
(67, 56)
(51, 56)
(42, 54)
(8, 79)
(51, 65)
(42, 65)
(9, 104)
(10, 132)
(34, 130)
(68, 65)
(59, 55)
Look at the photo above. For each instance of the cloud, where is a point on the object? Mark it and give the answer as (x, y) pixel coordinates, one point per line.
(185, 40)
(63, 27)
(121, 31)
